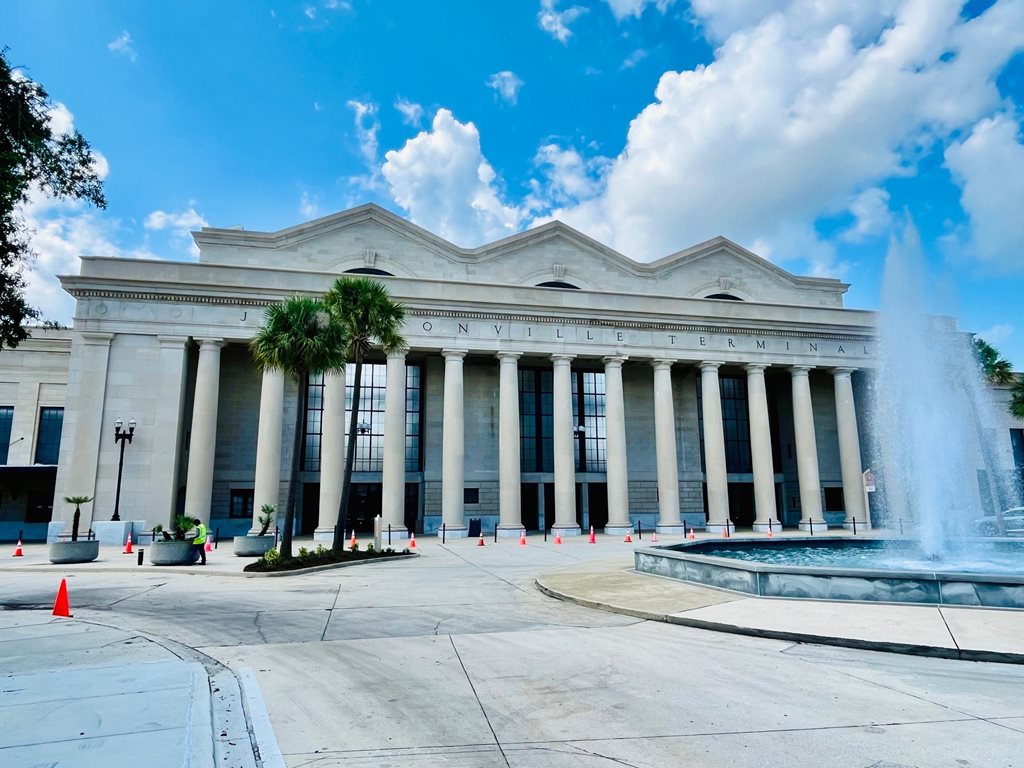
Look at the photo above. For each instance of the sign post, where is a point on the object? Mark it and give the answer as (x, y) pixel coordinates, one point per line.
(869, 487)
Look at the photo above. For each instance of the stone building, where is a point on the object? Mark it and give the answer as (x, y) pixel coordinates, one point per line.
(549, 382)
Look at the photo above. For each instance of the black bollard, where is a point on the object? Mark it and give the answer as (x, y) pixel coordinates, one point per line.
(216, 537)
(141, 551)
(770, 525)
(389, 534)
(901, 526)
(495, 533)
(444, 532)
(21, 536)
(855, 526)
(639, 530)
(810, 523)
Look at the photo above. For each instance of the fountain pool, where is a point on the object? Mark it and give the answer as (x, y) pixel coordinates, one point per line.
(986, 573)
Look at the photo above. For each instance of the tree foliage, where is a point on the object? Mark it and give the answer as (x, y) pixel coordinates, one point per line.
(1017, 398)
(370, 319)
(298, 337)
(997, 369)
(31, 153)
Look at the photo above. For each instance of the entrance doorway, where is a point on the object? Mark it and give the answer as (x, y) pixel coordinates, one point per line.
(741, 504)
(597, 504)
(528, 506)
(364, 504)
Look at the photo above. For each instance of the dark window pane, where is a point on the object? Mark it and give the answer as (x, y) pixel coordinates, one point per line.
(51, 421)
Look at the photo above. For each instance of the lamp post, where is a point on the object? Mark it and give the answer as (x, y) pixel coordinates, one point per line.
(122, 437)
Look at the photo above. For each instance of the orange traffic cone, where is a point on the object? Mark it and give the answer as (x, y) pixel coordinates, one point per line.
(17, 550)
(593, 538)
(770, 534)
(481, 542)
(412, 540)
(692, 535)
(128, 544)
(209, 547)
(352, 541)
(654, 538)
(522, 538)
(628, 539)
(60, 605)
(725, 532)
(558, 537)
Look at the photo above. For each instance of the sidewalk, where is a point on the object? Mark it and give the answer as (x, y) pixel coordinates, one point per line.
(977, 634)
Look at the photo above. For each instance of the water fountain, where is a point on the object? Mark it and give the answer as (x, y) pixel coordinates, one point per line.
(930, 432)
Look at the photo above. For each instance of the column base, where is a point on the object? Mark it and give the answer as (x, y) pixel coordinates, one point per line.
(322, 534)
(509, 531)
(565, 530)
(619, 529)
(454, 532)
(668, 528)
(848, 525)
(720, 527)
(776, 527)
(819, 525)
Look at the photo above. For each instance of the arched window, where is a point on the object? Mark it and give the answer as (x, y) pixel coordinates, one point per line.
(727, 296)
(367, 271)
(557, 284)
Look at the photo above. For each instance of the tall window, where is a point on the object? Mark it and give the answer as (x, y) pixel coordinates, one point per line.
(1017, 446)
(735, 423)
(369, 453)
(536, 420)
(51, 421)
(6, 419)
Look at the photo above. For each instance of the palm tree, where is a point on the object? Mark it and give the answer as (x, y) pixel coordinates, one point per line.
(370, 319)
(298, 337)
(1017, 398)
(997, 369)
(78, 501)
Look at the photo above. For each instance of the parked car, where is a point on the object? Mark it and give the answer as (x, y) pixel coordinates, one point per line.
(1013, 519)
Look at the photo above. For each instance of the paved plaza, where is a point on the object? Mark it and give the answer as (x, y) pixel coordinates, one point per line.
(457, 658)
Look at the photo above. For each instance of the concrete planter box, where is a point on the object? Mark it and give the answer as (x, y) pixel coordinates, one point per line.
(62, 552)
(253, 546)
(170, 553)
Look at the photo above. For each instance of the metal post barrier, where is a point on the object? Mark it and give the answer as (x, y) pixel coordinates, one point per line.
(810, 522)
(639, 530)
(389, 534)
(901, 526)
(21, 534)
(545, 534)
(444, 531)
(216, 537)
(855, 526)
(141, 551)
(495, 533)
(770, 525)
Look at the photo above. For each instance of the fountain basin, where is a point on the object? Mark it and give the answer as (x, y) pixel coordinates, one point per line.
(778, 569)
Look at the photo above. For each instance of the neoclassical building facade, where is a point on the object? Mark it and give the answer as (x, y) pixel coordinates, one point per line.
(549, 382)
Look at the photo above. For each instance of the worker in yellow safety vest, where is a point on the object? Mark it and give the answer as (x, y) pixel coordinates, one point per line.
(199, 542)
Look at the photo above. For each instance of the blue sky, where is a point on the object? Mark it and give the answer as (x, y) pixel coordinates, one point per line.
(807, 130)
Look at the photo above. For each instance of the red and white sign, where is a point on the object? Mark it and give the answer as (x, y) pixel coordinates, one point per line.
(869, 481)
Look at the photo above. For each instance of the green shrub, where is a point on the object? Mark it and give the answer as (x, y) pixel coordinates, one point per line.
(303, 552)
(272, 557)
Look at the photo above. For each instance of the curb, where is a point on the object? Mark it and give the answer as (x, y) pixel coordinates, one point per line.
(327, 567)
(999, 657)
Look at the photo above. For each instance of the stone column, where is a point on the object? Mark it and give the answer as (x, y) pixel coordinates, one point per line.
(619, 522)
(332, 455)
(806, 451)
(167, 430)
(849, 450)
(268, 447)
(565, 472)
(203, 446)
(766, 517)
(453, 435)
(669, 520)
(393, 469)
(714, 450)
(84, 415)
(509, 506)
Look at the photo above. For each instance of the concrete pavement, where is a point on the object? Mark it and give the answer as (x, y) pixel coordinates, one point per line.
(456, 659)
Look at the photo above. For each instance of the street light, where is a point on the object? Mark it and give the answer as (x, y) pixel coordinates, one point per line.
(122, 437)
(363, 428)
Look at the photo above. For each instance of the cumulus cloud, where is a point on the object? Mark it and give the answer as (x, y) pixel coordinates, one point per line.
(805, 106)
(412, 113)
(989, 166)
(180, 224)
(567, 177)
(506, 85)
(634, 58)
(445, 184)
(871, 214)
(623, 9)
(308, 206)
(123, 45)
(556, 23)
(367, 127)
(997, 334)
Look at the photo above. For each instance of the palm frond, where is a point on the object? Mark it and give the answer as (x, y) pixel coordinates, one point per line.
(299, 337)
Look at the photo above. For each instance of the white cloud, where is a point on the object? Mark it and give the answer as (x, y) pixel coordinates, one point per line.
(412, 113)
(622, 9)
(556, 23)
(806, 105)
(443, 181)
(989, 165)
(123, 45)
(310, 11)
(180, 225)
(367, 126)
(997, 334)
(316, 106)
(871, 214)
(634, 58)
(568, 177)
(506, 84)
(308, 206)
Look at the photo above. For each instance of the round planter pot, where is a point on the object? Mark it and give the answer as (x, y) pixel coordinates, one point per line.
(253, 546)
(170, 553)
(62, 552)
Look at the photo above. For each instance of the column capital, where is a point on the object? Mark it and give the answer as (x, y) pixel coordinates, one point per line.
(97, 339)
(755, 367)
(710, 366)
(398, 354)
(800, 370)
(172, 341)
(454, 354)
(614, 361)
(208, 343)
(843, 372)
(562, 358)
(508, 357)
(662, 364)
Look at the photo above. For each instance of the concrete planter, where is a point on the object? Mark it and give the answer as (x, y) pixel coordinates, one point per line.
(62, 552)
(170, 553)
(253, 546)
